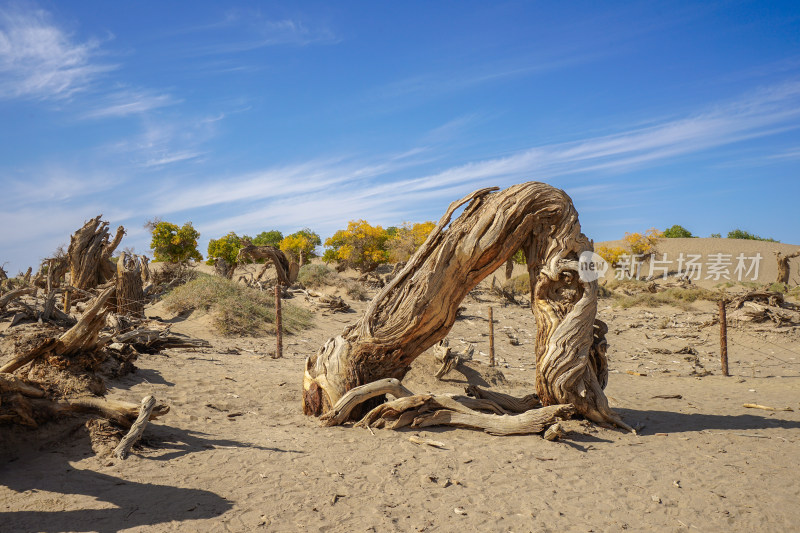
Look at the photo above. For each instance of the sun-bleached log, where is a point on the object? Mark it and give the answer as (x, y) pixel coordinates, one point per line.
(419, 306)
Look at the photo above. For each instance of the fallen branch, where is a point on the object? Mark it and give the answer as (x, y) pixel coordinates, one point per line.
(11, 295)
(534, 421)
(354, 397)
(124, 447)
(506, 401)
(449, 359)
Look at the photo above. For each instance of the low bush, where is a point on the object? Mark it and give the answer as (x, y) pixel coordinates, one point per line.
(314, 276)
(677, 232)
(518, 285)
(236, 308)
(741, 234)
(674, 296)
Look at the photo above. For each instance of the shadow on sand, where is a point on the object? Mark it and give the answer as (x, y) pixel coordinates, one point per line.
(131, 503)
(127, 503)
(674, 422)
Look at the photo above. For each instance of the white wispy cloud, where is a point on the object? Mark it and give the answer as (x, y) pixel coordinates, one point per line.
(130, 102)
(166, 140)
(324, 193)
(169, 158)
(325, 190)
(253, 31)
(38, 59)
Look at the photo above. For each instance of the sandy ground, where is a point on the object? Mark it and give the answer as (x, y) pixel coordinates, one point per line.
(236, 453)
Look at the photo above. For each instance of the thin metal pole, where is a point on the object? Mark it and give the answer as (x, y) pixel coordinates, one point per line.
(491, 337)
(278, 324)
(723, 337)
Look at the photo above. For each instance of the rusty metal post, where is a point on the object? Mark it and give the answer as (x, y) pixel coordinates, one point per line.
(278, 324)
(491, 337)
(723, 337)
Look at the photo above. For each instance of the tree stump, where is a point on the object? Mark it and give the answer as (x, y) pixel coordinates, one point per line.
(783, 265)
(418, 307)
(90, 252)
(130, 293)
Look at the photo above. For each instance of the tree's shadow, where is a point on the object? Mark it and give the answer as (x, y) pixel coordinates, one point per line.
(471, 376)
(674, 422)
(132, 503)
(141, 375)
(176, 442)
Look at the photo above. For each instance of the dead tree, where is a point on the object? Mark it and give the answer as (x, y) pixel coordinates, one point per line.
(130, 292)
(144, 263)
(89, 253)
(29, 403)
(419, 306)
(783, 265)
(224, 269)
(253, 253)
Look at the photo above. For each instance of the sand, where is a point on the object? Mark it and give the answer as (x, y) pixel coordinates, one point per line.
(236, 453)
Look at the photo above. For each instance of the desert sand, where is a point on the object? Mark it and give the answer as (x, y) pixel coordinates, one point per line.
(236, 453)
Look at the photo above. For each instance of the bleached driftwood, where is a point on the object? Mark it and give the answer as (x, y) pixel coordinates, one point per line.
(354, 397)
(123, 449)
(130, 290)
(419, 306)
(89, 253)
(282, 267)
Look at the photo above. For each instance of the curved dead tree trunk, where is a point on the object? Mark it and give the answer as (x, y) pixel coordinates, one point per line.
(89, 253)
(144, 262)
(278, 258)
(130, 292)
(419, 306)
(224, 269)
(783, 265)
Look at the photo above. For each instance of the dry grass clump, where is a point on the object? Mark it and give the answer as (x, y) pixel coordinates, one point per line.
(794, 292)
(316, 276)
(236, 308)
(674, 296)
(518, 285)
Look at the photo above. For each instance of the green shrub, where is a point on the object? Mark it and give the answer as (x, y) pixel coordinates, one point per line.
(236, 309)
(677, 232)
(268, 238)
(226, 248)
(779, 287)
(741, 234)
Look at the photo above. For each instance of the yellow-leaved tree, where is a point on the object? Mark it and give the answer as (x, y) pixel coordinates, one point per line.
(406, 239)
(643, 244)
(301, 245)
(360, 246)
(174, 244)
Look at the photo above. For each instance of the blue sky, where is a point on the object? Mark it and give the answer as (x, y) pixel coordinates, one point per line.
(253, 116)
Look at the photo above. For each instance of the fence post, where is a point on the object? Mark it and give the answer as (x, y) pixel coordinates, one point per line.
(278, 325)
(491, 337)
(723, 337)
